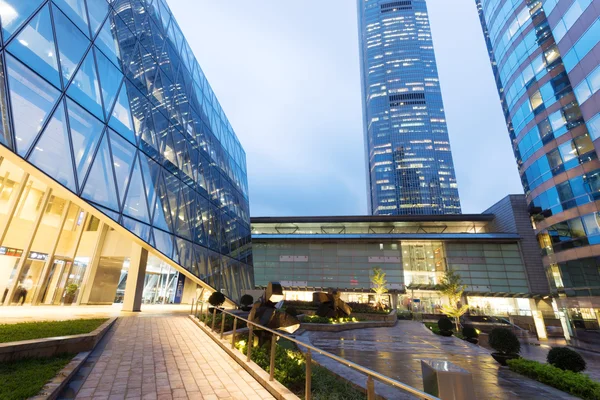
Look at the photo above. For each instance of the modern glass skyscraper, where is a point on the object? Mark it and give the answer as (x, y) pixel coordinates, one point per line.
(111, 135)
(408, 158)
(545, 57)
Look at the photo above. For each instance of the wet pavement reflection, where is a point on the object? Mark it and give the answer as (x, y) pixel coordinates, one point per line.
(397, 352)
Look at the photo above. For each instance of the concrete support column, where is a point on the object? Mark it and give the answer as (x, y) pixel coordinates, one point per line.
(90, 271)
(12, 206)
(135, 279)
(538, 320)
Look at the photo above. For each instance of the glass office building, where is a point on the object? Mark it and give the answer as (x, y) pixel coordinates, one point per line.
(407, 150)
(545, 57)
(116, 159)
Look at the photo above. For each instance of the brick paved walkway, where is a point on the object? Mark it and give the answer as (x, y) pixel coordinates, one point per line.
(164, 357)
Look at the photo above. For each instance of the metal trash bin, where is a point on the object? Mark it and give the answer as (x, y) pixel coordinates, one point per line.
(447, 381)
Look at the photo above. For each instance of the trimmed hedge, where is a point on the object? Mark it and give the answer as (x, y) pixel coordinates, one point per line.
(445, 324)
(567, 359)
(504, 341)
(315, 319)
(574, 383)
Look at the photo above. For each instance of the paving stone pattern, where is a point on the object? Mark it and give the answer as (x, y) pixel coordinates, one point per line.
(163, 357)
(397, 352)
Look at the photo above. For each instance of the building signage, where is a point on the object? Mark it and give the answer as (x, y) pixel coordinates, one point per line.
(9, 251)
(294, 283)
(384, 260)
(293, 258)
(38, 256)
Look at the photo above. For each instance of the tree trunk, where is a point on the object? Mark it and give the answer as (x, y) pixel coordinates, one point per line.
(457, 323)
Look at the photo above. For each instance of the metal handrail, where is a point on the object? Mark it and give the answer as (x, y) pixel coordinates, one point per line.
(370, 373)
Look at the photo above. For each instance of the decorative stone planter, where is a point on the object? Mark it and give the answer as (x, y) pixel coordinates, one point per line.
(503, 358)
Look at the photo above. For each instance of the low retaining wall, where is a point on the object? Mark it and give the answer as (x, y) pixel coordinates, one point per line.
(348, 326)
(367, 317)
(49, 347)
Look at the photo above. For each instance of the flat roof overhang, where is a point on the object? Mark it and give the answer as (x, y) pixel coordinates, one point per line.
(375, 219)
(392, 236)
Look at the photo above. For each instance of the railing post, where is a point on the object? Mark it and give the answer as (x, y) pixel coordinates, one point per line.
(223, 315)
(196, 313)
(233, 333)
(214, 318)
(370, 388)
(272, 363)
(249, 343)
(308, 374)
(192, 310)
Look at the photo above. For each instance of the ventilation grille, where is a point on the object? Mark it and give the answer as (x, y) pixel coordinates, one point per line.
(396, 6)
(407, 99)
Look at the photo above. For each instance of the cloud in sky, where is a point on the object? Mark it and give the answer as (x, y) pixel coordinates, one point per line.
(287, 75)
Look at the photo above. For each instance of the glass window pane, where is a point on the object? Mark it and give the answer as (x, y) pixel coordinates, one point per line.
(97, 10)
(584, 144)
(123, 156)
(100, 185)
(75, 10)
(135, 203)
(86, 132)
(592, 224)
(52, 153)
(32, 101)
(72, 44)
(85, 88)
(107, 42)
(14, 12)
(35, 47)
(110, 80)
(120, 119)
(568, 151)
(139, 229)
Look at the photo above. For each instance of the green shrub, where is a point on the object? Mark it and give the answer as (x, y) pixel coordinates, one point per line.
(246, 300)
(315, 319)
(207, 319)
(470, 333)
(366, 308)
(292, 311)
(216, 299)
(567, 359)
(504, 341)
(579, 385)
(445, 324)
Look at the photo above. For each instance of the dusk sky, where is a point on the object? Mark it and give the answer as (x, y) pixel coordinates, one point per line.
(287, 76)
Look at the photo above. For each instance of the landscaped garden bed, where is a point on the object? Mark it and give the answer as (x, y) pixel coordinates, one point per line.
(25, 378)
(290, 371)
(47, 329)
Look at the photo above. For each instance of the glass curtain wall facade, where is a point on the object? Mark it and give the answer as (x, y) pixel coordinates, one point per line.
(545, 56)
(107, 99)
(408, 158)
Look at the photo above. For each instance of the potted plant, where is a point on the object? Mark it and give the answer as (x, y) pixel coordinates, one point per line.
(566, 359)
(506, 344)
(246, 302)
(471, 334)
(216, 300)
(445, 326)
(70, 293)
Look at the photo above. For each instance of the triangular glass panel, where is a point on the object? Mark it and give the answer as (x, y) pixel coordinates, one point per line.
(164, 242)
(137, 228)
(100, 185)
(13, 13)
(110, 80)
(35, 46)
(107, 42)
(86, 132)
(162, 213)
(182, 227)
(72, 44)
(120, 119)
(123, 157)
(97, 9)
(75, 10)
(135, 203)
(164, 14)
(85, 88)
(111, 214)
(32, 100)
(52, 152)
(148, 180)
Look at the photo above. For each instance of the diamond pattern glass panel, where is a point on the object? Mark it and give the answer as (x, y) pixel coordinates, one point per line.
(110, 80)
(86, 132)
(107, 43)
(32, 100)
(120, 119)
(100, 185)
(52, 152)
(75, 10)
(135, 204)
(97, 10)
(123, 155)
(14, 12)
(72, 44)
(85, 88)
(34, 45)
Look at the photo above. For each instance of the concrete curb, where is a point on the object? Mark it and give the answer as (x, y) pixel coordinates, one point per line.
(276, 389)
(49, 347)
(52, 389)
(348, 326)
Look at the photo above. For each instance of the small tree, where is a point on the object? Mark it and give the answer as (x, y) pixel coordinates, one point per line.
(379, 285)
(216, 299)
(452, 286)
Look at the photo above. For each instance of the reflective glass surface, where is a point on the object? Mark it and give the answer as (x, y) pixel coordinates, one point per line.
(108, 100)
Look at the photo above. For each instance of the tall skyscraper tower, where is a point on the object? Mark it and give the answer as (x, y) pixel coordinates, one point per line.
(545, 57)
(408, 158)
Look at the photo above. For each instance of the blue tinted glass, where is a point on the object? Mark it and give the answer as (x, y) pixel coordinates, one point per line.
(110, 80)
(123, 156)
(164, 242)
(32, 100)
(107, 42)
(139, 229)
(100, 185)
(86, 132)
(149, 182)
(120, 119)
(75, 10)
(135, 203)
(35, 47)
(52, 152)
(97, 10)
(14, 12)
(72, 44)
(85, 88)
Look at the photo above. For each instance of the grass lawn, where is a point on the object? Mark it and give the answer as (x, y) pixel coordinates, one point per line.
(433, 327)
(25, 378)
(38, 330)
